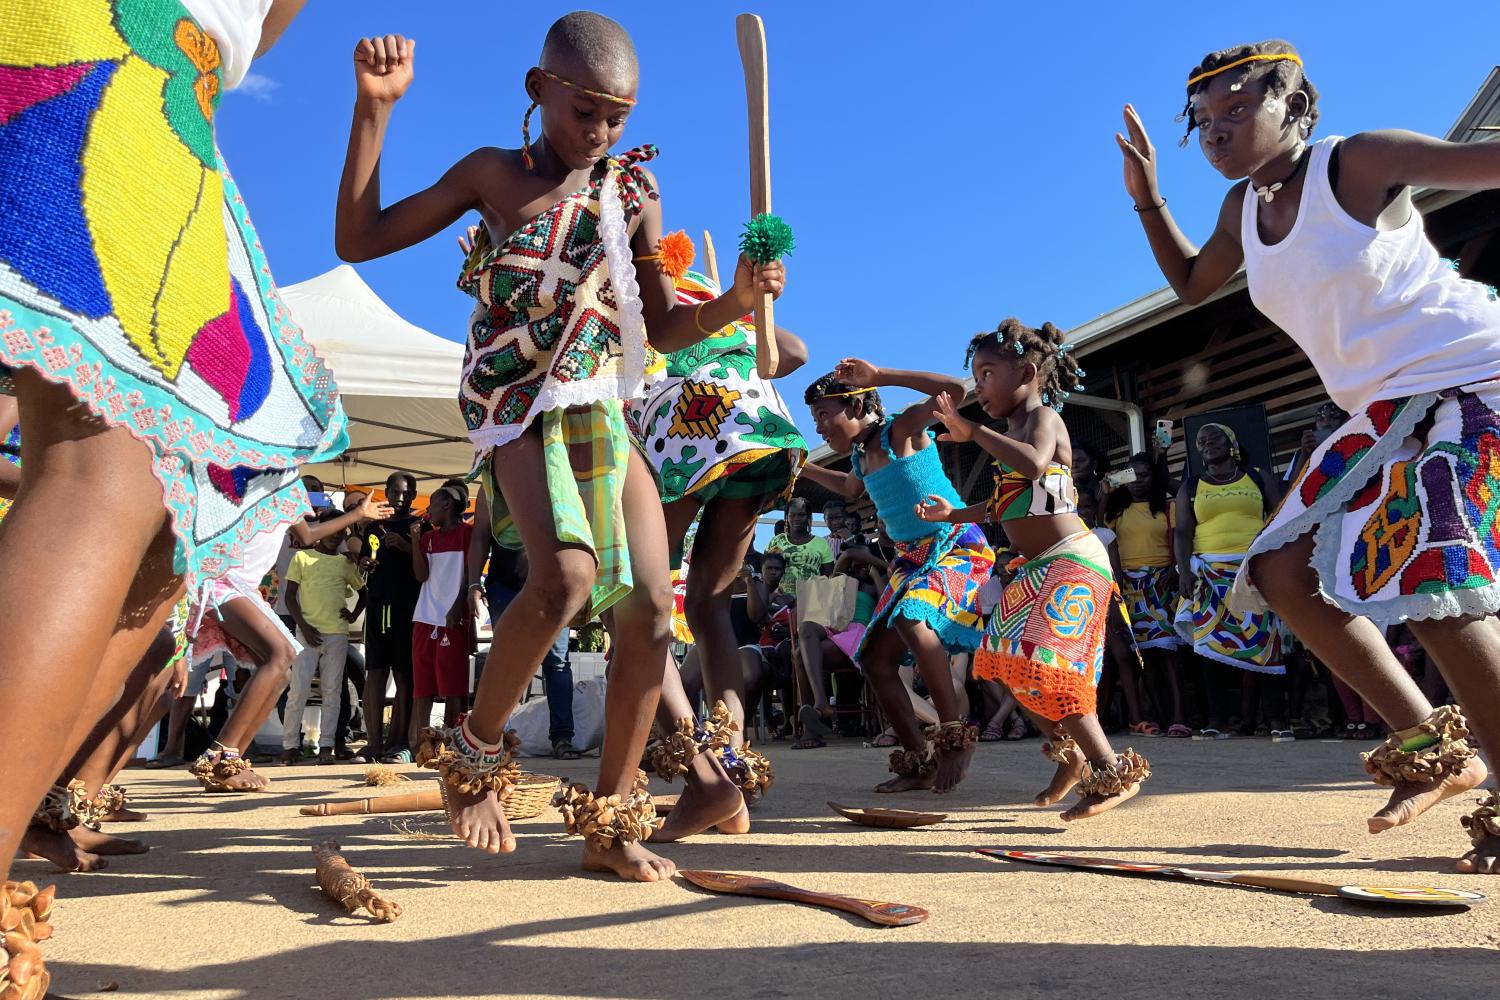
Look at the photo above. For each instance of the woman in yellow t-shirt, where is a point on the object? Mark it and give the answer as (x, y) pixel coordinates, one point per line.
(1219, 513)
(1140, 514)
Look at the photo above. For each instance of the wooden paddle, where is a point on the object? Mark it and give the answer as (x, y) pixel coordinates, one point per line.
(711, 261)
(876, 912)
(1396, 895)
(751, 33)
(890, 819)
(409, 802)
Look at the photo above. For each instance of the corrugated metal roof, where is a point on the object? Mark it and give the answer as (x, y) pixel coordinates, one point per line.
(1480, 121)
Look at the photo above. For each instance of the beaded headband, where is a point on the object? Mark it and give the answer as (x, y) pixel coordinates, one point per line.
(1263, 57)
(627, 101)
(851, 392)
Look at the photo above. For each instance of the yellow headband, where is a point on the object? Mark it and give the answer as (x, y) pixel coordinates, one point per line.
(627, 101)
(1265, 57)
(851, 392)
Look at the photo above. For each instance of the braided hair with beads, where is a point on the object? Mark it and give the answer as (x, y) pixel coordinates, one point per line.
(1046, 347)
(1275, 61)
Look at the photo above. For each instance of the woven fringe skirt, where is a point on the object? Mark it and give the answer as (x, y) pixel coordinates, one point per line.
(130, 272)
(1402, 504)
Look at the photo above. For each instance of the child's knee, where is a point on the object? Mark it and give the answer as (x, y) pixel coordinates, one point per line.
(562, 589)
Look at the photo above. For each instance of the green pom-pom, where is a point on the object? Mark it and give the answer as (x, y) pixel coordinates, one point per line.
(766, 238)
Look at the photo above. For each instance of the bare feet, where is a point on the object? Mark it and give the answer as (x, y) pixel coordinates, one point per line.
(952, 766)
(1484, 859)
(59, 849)
(908, 782)
(1410, 801)
(631, 862)
(478, 820)
(707, 800)
(1093, 805)
(1063, 780)
(126, 816)
(248, 781)
(94, 842)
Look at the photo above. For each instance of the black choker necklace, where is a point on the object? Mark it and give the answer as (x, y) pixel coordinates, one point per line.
(1267, 194)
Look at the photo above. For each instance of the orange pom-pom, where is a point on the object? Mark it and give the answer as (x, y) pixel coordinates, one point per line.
(676, 253)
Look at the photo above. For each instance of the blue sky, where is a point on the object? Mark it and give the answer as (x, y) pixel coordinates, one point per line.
(942, 171)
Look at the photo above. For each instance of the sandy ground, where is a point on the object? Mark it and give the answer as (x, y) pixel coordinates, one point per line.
(225, 905)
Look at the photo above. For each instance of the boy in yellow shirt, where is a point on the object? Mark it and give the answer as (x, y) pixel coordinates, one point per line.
(319, 582)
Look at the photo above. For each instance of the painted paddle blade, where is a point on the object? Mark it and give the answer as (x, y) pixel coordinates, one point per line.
(1411, 895)
(1399, 896)
(874, 910)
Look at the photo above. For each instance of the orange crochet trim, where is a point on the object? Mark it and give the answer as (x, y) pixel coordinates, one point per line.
(1052, 692)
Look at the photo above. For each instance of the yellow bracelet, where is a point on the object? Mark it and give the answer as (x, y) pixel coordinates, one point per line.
(699, 323)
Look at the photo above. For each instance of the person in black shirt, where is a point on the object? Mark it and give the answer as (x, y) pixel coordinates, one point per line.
(393, 590)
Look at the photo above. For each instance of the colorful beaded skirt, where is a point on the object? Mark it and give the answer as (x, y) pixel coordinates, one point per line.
(936, 580)
(1045, 640)
(1151, 602)
(1402, 503)
(130, 273)
(1250, 640)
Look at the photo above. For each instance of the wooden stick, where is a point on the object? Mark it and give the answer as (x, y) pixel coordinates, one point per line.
(751, 34)
(873, 910)
(409, 802)
(1397, 895)
(711, 261)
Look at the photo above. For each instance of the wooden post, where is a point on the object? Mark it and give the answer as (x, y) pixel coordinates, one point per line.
(752, 38)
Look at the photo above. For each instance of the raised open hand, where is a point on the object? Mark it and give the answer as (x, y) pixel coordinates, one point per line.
(1140, 161)
(960, 428)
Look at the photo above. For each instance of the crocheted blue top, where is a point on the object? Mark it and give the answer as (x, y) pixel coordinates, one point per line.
(897, 488)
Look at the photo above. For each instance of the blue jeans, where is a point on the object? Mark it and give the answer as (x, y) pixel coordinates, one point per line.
(557, 674)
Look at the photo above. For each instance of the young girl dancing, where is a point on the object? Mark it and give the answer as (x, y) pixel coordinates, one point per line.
(1391, 520)
(930, 603)
(556, 344)
(724, 449)
(1045, 639)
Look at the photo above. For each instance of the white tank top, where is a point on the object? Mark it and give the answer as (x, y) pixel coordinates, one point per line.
(1379, 314)
(235, 25)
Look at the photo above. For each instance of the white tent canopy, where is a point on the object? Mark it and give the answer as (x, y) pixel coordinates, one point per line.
(399, 383)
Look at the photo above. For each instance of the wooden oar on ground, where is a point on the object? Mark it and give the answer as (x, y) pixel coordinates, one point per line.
(1395, 895)
(873, 910)
(409, 802)
(751, 34)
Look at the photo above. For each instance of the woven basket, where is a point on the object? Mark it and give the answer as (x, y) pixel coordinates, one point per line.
(531, 795)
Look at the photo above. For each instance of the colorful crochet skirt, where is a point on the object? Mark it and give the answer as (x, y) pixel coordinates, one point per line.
(1402, 504)
(713, 426)
(936, 580)
(1251, 641)
(1045, 640)
(130, 273)
(1152, 604)
(586, 451)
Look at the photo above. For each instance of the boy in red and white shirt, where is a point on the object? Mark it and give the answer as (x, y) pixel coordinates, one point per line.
(440, 641)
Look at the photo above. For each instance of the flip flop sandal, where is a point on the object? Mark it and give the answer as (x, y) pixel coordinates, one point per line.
(1211, 734)
(399, 757)
(884, 742)
(810, 743)
(812, 722)
(1144, 728)
(992, 734)
(1017, 730)
(1178, 731)
(1283, 736)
